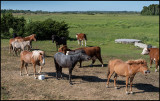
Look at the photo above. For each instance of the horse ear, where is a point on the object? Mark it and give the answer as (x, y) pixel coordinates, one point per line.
(148, 49)
(40, 53)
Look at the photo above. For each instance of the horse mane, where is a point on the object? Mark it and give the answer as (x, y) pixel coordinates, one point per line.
(35, 55)
(30, 35)
(138, 61)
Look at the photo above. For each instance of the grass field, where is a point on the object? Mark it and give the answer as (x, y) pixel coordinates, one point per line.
(101, 30)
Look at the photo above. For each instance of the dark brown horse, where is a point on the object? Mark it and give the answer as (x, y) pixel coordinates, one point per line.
(35, 57)
(21, 39)
(126, 69)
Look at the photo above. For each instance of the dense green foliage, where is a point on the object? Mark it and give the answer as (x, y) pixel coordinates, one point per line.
(150, 10)
(43, 29)
(9, 22)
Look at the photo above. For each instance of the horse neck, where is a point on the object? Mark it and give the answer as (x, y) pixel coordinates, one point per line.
(27, 39)
(76, 57)
(135, 68)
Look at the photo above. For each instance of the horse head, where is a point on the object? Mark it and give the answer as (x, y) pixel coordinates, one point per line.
(83, 55)
(38, 55)
(140, 64)
(33, 37)
(145, 51)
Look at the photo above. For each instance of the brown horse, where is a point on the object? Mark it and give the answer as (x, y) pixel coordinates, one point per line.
(127, 69)
(35, 57)
(21, 39)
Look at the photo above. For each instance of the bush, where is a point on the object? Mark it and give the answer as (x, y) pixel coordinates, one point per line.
(43, 29)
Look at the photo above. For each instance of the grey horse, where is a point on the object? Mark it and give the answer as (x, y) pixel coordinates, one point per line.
(61, 60)
(20, 45)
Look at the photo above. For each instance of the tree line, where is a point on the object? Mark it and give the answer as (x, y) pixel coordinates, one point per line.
(150, 10)
(65, 12)
(43, 29)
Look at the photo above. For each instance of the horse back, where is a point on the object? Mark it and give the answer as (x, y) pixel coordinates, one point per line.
(26, 56)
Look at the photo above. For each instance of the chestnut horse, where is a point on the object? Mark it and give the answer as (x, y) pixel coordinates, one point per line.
(126, 69)
(35, 57)
(20, 39)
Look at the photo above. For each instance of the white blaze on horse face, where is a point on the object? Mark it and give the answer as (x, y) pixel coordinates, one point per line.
(145, 51)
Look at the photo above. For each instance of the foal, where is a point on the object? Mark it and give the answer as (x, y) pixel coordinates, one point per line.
(35, 57)
(127, 69)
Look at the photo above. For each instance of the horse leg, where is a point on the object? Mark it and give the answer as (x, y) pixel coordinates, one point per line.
(131, 82)
(80, 64)
(70, 75)
(40, 68)
(156, 65)
(109, 76)
(127, 78)
(115, 78)
(100, 59)
(57, 66)
(82, 42)
(93, 61)
(21, 67)
(60, 69)
(78, 42)
(85, 43)
(151, 61)
(26, 68)
(34, 66)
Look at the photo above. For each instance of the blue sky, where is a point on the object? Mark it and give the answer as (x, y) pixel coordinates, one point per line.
(77, 5)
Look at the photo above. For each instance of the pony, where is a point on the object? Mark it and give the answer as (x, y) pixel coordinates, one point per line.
(153, 56)
(59, 40)
(20, 45)
(21, 39)
(35, 57)
(126, 69)
(61, 60)
(93, 52)
(80, 37)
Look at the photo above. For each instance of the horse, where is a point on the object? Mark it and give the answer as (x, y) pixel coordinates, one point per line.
(21, 39)
(153, 56)
(126, 69)
(35, 57)
(93, 52)
(61, 60)
(59, 40)
(80, 37)
(20, 45)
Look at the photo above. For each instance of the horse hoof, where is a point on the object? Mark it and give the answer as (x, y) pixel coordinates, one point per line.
(131, 92)
(71, 83)
(156, 70)
(107, 86)
(102, 65)
(116, 87)
(127, 93)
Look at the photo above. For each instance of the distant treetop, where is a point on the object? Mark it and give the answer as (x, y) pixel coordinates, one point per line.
(150, 10)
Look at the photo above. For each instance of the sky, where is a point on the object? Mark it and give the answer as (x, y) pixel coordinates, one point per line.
(77, 5)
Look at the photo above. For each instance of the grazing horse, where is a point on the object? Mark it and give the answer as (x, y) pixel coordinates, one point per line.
(20, 39)
(93, 52)
(61, 60)
(80, 37)
(59, 40)
(126, 69)
(154, 56)
(35, 57)
(20, 45)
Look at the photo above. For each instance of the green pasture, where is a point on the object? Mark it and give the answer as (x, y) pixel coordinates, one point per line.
(102, 30)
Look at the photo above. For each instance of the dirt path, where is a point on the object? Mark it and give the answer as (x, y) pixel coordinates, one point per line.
(89, 83)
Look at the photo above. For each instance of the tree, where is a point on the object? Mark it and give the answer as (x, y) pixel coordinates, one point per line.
(150, 10)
